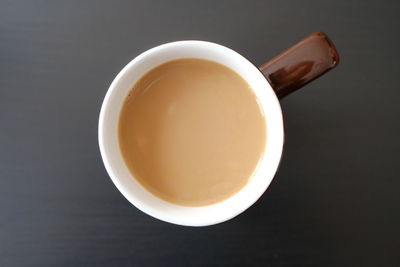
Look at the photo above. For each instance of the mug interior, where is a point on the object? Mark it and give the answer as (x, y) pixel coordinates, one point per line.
(133, 190)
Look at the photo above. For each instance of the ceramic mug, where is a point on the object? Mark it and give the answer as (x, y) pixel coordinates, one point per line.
(285, 73)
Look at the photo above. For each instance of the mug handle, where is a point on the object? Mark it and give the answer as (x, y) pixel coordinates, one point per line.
(300, 64)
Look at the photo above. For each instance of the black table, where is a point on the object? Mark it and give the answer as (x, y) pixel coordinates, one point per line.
(334, 202)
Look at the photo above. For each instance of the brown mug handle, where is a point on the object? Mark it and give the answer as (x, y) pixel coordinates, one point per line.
(301, 64)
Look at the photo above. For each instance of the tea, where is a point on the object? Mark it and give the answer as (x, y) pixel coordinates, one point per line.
(192, 132)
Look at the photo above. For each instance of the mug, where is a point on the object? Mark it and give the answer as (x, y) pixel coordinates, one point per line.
(285, 73)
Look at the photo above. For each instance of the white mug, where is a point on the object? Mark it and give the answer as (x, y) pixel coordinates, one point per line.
(258, 80)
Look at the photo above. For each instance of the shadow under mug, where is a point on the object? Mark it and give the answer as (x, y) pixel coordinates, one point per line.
(280, 76)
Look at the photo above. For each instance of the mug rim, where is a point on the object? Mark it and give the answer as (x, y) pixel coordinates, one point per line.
(171, 215)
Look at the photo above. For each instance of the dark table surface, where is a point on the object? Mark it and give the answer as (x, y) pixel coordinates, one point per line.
(334, 202)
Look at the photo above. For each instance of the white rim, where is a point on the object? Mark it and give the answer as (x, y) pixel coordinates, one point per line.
(198, 216)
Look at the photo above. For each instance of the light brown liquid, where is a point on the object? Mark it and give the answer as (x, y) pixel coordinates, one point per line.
(191, 132)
